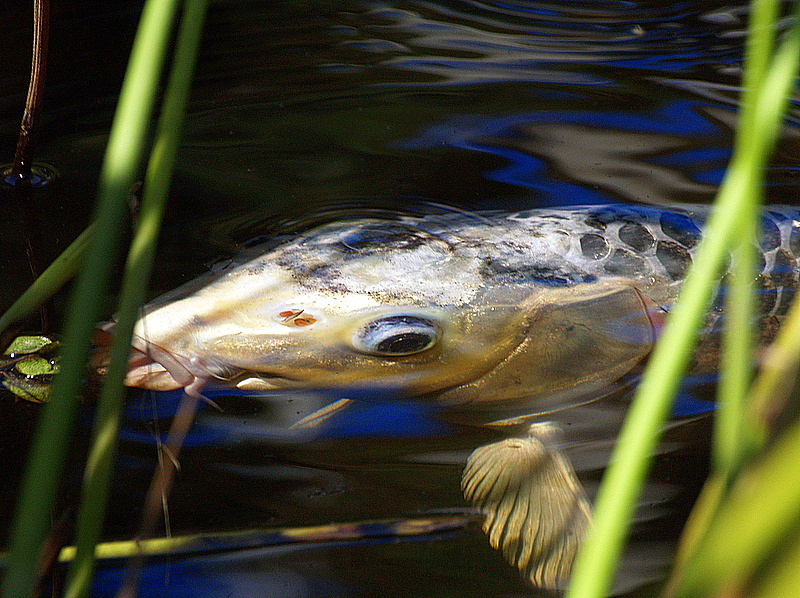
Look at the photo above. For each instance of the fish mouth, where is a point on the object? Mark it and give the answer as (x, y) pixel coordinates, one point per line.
(150, 372)
(152, 367)
(149, 362)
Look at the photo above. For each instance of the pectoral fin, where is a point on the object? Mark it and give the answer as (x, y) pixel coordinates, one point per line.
(314, 419)
(536, 510)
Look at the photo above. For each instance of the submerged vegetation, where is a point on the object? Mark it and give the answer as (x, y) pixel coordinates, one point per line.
(744, 536)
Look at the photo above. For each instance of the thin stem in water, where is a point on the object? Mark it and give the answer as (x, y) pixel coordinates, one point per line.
(21, 168)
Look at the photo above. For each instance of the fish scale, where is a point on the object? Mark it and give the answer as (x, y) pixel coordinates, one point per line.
(651, 243)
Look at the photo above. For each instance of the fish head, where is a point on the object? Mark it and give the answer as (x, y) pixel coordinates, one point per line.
(371, 304)
(366, 303)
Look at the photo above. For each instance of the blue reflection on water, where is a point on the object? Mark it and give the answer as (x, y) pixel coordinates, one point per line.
(370, 414)
(504, 136)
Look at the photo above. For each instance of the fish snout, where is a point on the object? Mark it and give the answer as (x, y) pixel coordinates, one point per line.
(150, 366)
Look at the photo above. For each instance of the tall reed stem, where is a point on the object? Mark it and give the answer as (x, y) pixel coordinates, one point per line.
(125, 148)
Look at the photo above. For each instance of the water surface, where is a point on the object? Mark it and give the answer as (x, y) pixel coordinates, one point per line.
(309, 111)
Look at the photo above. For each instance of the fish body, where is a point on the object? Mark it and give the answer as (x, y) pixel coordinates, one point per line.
(466, 308)
(514, 315)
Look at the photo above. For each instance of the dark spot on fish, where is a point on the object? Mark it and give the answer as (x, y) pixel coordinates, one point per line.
(770, 235)
(625, 263)
(604, 216)
(515, 272)
(794, 239)
(254, 269)
(303, 265)
(762, 261)
(594, 246)
(637, 236)
(783, 269)
(379, 237)
(786, 296)
(594, 223)
(312, 273)
(681, 228)
(321, 270)
(674, 258)
(767, 296)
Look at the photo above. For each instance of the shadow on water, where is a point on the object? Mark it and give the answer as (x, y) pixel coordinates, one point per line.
(304, 112)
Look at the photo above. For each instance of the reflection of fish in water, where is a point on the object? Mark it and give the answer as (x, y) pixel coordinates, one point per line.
(509, 316)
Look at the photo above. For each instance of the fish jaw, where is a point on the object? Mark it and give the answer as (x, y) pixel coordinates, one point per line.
(153, 368)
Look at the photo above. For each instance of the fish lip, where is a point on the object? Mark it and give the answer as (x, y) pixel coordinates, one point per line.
(149, 365)
(149, 358)
(147, 354)
(153, 367)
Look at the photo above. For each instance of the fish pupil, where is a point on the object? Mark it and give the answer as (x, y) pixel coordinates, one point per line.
(405, 342)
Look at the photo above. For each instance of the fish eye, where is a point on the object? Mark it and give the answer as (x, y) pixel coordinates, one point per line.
(397, 335)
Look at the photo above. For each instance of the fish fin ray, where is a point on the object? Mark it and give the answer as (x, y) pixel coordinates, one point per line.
(536, 510)
(314, 419)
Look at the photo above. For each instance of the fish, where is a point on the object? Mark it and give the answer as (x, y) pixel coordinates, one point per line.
(508, 317)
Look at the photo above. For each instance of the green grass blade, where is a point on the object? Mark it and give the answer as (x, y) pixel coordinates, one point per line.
(51, 280)
(732, 442)
(200, 544)
(770, 392)
(137, 273)
(621, 486)
(120, 166)
(742, 426)
(751, 524)
(780, 578)
(781, 364)
(759, 48)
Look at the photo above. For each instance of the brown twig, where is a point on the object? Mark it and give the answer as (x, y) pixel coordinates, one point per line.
(21, 168)
(20, 173)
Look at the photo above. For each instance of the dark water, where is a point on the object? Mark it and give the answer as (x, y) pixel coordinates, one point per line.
(305, 111)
